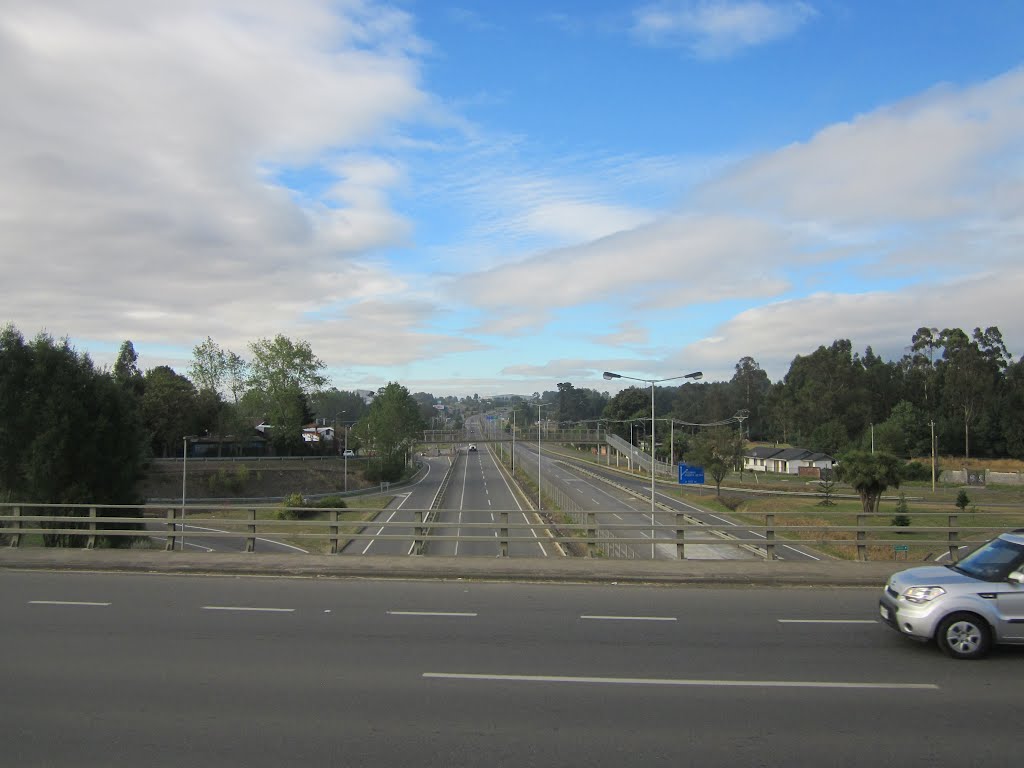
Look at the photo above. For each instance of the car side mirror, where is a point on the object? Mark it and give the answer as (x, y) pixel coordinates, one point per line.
(1017, 577)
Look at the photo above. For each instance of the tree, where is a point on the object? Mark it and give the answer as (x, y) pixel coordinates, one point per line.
(718, 451)
(393, 424)
(68, 433)
(827, 488)
(902, 517)
(169, 409)
(208, 367)
(870, 474)
(281, 374)
(962, 500)
(126, 368)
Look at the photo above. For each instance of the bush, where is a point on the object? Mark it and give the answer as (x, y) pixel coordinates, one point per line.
(291, 509)
(915, 470)
(385, 472)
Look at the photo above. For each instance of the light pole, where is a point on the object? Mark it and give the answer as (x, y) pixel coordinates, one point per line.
(184, 476)
(539, 407)
(608, 376)
(345, 449)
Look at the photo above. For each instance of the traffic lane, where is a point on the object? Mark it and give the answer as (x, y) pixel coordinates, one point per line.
(638, 630)
(784, 551)
(401, 510)
(466, 501)
(504, 498)
(249, 686)
(617, 508)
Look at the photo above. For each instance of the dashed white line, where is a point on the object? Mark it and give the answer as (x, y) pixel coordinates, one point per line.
(66, 602)
(827, 621)
(245, 608)
(455, 614)
(630, 618)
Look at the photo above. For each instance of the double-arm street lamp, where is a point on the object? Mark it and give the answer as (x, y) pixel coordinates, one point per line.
(608, 375)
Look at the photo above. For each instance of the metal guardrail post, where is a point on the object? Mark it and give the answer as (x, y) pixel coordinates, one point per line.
(172, 540)
(419, 532)
(504, 533)
(16, 527)
(90, 542)
(680, 535)
(954, 538)
(862, 536)
(769, 536)
(250, 542)
(591, 534)
(334, 531)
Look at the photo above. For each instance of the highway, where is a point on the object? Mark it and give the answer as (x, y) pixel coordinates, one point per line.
(479, 491)
(119, 670)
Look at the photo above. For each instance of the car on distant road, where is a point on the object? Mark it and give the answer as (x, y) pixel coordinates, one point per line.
(965, 607)
(472, 448)
(349, 453)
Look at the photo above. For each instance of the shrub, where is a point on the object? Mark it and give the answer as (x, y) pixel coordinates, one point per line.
(915, 470)
(901, 519)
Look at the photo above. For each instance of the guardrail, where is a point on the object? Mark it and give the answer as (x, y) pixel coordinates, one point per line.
(90, 524)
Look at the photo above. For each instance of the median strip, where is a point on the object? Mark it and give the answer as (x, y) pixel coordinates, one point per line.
(677, 682)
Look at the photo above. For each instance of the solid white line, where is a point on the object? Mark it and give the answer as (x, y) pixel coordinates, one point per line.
(381, 529)
(258, 538)
(64, 602)
(680, 682)
(630, 618)
(430, 613)
(245, 608)
(827, 621)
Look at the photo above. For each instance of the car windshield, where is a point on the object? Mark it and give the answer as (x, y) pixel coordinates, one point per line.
(992, 562)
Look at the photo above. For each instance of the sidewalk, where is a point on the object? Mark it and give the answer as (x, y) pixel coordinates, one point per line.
(831, 573)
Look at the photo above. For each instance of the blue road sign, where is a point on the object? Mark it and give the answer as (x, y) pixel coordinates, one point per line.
(690, 475)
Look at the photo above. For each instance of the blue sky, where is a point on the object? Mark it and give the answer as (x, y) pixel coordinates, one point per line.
(496, 197)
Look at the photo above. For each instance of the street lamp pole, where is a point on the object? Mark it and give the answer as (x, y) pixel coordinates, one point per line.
(184, 475)
(608, 376)
(539, 407)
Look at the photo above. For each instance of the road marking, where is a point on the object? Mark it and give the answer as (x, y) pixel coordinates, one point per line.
(827, 621)
(65, 602)
(246, 608)
(630, 618)
(679, 682)
(258, 538)
(431, 613)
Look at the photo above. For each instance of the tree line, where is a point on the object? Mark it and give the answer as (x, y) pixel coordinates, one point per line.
(71, 432)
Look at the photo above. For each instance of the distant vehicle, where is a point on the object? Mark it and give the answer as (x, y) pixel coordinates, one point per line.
(964, 607)
(472, 448)
(349, 453)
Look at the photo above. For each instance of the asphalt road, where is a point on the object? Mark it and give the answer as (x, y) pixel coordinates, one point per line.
(119, 670)
(479, 491)
(637, 506)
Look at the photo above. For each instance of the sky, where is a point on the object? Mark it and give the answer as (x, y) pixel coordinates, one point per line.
(494, 197)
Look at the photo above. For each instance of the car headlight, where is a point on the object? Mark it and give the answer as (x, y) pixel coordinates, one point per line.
(923, 594)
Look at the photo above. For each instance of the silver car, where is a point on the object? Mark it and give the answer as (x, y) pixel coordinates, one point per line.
(965, 607)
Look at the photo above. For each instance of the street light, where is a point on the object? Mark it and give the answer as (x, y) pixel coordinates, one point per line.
(345, 450)
(608, 376)
(539, 406)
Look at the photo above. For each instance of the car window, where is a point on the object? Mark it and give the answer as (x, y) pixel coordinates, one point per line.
(994, 561)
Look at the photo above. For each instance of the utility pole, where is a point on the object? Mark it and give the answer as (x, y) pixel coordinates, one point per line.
(932, 425)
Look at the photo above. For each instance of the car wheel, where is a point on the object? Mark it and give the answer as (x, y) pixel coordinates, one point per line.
(964, 636)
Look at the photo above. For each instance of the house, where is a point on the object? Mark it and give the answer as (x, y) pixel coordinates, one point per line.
(311, 433)
(787, 461)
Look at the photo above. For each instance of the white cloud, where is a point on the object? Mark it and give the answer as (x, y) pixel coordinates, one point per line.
(713, 29)
(133, 170)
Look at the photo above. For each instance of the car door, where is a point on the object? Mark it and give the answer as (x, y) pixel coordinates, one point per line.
(1010, 609)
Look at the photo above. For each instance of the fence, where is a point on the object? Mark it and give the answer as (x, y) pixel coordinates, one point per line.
(90, 524)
